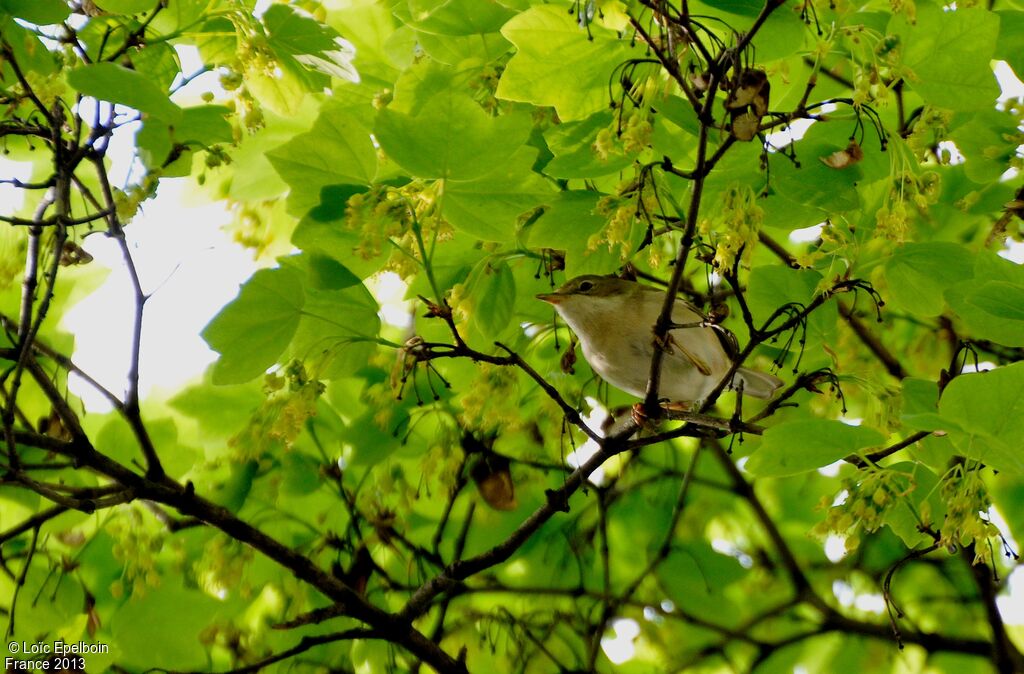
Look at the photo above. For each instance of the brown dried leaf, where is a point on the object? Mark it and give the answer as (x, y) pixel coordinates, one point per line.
(841, 159)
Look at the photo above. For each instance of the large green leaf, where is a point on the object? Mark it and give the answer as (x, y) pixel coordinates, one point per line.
(117, 84)
(41, 12)
(458, 17)
(567, 225)
(990, 303)
(308, 43)
(920, 273)
(989, 408)
(256, 327)
(811, 182)
(983, 143)
(161, 628)
(492, 292)
(488, 208)
(961, 78)
(336, 151)
(451, 137)
(453, 50)
(797, 446)
(199, 127)
(1010, 46)
(997, 307)
(127, 6)
(774, 286)
(556, 64)
(339, 326)
(919, 486)
(572, 143)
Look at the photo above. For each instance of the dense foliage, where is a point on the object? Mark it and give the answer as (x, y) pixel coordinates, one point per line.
(454, 489)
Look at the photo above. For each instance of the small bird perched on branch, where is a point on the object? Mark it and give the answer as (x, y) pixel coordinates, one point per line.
(614, 320)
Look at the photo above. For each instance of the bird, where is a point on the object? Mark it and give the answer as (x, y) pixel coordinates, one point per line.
(614, 320)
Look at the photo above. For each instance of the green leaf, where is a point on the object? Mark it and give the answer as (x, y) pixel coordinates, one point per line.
(992, 310)
(120, 443)
(451, 137)
(308, 43)
(773, 286)
(782, 34)
(161, 628)
(62, 606)
(986, 303)
(567, 225)
(919, 486)
(220, 411)
(556, 64)
(813, 183)
(30, 53)
(39, 12)
(798, 446)
(488, 208)
(117, 84)
(370, 443)
(127, 6)
(989, 407)
(491, 290)
(458, 17)
(158, 63)
(339, 326)
(296, 34)
(1010, 46)
(204, 125)
(256, 327)
(960, 78)
(678, 110)
(918, 275)
(920, 404)
(453, 50)
(198, 128)
(336, 151)
(326, 273)
(982, 142)
(572, 143)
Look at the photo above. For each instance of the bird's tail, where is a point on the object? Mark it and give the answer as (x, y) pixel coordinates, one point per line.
(757, 384)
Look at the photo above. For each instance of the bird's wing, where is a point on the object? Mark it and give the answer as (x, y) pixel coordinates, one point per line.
(698, 363)
(688, 347)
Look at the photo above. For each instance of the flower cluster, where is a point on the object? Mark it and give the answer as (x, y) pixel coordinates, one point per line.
(735, 226)
(489, 404)
(136, 547)
(290, 401)
(868, 499)
(966, 499)
(892, 220)
(628, 134)
(222, 565)
(617, 232)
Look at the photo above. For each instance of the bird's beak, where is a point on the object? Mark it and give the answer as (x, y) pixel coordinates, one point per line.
(550, 298)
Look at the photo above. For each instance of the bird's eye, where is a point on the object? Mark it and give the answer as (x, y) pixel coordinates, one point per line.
(586, 286)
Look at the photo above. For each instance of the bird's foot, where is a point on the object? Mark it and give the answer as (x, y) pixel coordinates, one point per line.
(639, 415)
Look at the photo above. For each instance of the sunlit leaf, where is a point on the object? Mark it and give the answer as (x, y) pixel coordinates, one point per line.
(252, 331)
(450, 137)
(117, 84)
(797, 446)
(553, 66)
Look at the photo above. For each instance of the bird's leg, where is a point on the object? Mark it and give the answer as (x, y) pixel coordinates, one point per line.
(736, 422)
(642, 419)
(639, 415)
